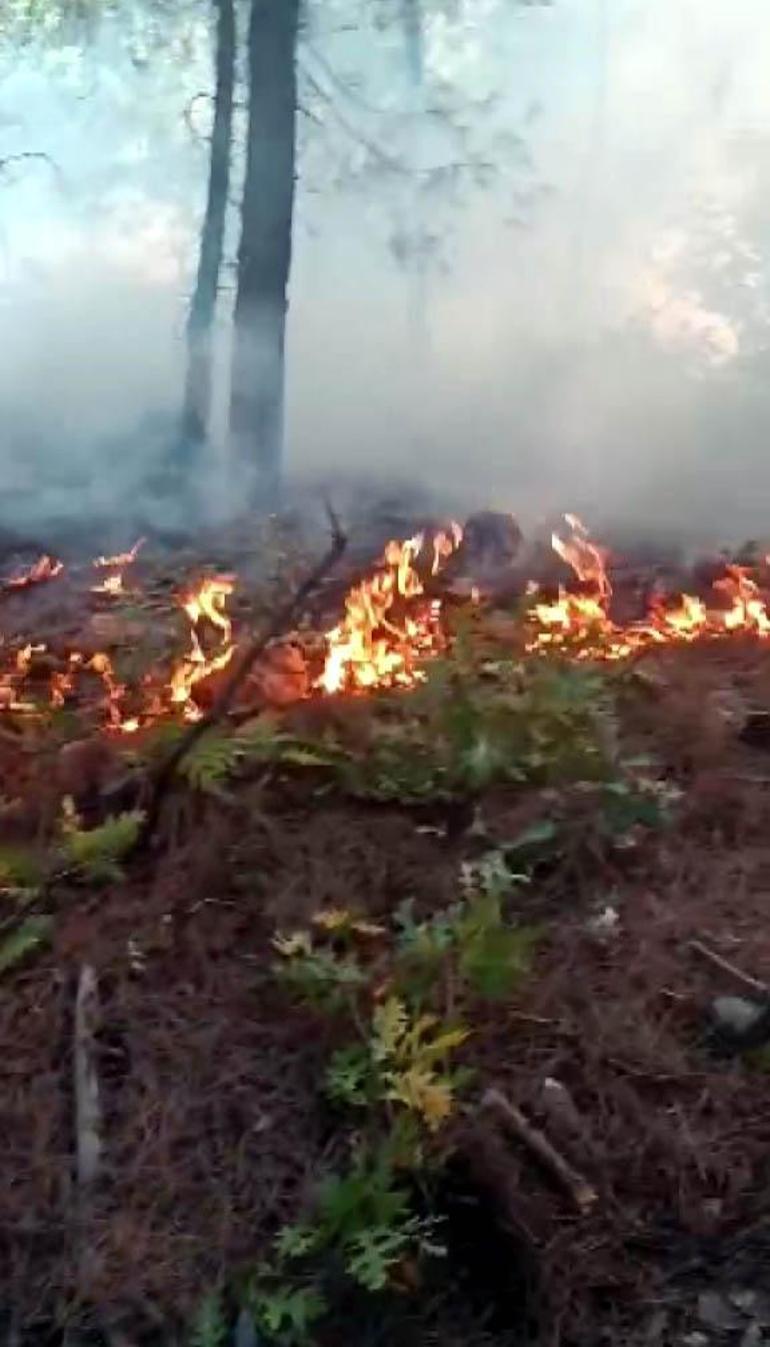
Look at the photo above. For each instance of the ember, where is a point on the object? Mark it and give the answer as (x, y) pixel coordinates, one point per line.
(45, 568)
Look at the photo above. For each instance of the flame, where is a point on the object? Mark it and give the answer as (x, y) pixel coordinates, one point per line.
(588, 561)
(581, 622)
(45, 568)
(113, 584)
(121, 558)
(390, 624)
(208, 601)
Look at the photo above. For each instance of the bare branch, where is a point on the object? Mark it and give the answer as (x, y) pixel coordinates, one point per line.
(744, 980)
(512, 1119)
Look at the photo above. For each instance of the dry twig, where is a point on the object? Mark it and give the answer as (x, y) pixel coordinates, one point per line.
(512, 1119)
(88, 1114)
(87, 1107)
(745, 980)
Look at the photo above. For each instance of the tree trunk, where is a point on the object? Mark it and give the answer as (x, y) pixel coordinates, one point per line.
(264, 258)
(200, 323)
(413, 40)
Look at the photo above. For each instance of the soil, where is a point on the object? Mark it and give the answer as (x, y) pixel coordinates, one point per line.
(214, 1126)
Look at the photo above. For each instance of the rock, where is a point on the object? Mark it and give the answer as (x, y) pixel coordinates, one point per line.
(740, 1023)
(694, 1339)
(753, 1336)
(754, 1304)
(245, 1331)
(714, 1311)
(756, 730)
(744, 1300)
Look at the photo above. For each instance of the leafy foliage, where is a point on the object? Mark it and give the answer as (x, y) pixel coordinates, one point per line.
(209, 1327)
(287, 1314)
(319, 976)
(219, 756)
(20, 871)
(97, 852)
(473, 722)
(29, 936)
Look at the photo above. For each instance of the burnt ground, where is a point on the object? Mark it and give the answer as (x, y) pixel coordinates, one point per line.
(215, 1129)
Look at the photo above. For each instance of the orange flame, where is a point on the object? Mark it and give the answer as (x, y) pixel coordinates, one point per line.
(45, 568)
(389, 624)
(208, 601)
(121, 558)
(582, 623)
(113, 584)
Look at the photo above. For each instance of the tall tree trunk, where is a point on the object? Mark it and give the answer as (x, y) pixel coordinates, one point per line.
(264, 258)
(413, 39)
(197, 393)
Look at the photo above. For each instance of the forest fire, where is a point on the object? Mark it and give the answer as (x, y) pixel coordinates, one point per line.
(391, 625)
(582, 624)
(45, 568)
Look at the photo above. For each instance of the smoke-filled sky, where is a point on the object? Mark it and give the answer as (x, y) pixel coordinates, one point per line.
(535, 278)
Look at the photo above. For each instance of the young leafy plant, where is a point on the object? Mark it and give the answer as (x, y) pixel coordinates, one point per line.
(209, 1327)
(27, 938)
(97, 852)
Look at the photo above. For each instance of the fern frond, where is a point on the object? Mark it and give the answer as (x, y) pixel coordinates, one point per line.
(209, 1327)
(97, 852)
(29, 936)
(210, 762)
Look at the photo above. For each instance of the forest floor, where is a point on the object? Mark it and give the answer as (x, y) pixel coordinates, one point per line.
(255, 1073)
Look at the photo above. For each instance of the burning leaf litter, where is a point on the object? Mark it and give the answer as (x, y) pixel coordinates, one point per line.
(391, 625)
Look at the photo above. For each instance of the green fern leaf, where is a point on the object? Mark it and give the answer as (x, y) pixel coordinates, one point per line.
(28, 937)
(97, 852)
(210, 762)
(209, 1328)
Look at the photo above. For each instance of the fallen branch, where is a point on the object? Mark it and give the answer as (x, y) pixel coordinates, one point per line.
(744, 980)
(512, 1119)
(87, 1109)
(88, 1115)
(282, 622)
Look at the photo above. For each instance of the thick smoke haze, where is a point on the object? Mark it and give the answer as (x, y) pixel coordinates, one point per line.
(536, 280)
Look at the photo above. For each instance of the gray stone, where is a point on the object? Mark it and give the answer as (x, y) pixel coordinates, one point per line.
(245, 1331)
(739, 1021)
(752, 1337)
(714, 1311)
(694, 1340)
(743, 1299)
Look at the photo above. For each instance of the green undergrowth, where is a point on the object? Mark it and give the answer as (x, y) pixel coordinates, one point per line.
(474, 723)
(400, 1001)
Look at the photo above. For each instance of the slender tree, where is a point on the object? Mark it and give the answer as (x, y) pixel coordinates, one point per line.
(197, 393)
(264, 257)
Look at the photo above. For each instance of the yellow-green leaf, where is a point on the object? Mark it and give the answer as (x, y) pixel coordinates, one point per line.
(390, 1022)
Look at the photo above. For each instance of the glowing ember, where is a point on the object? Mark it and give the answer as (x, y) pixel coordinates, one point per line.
(113, 584)
(45, 568)
(389, 626)
(121, 558)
